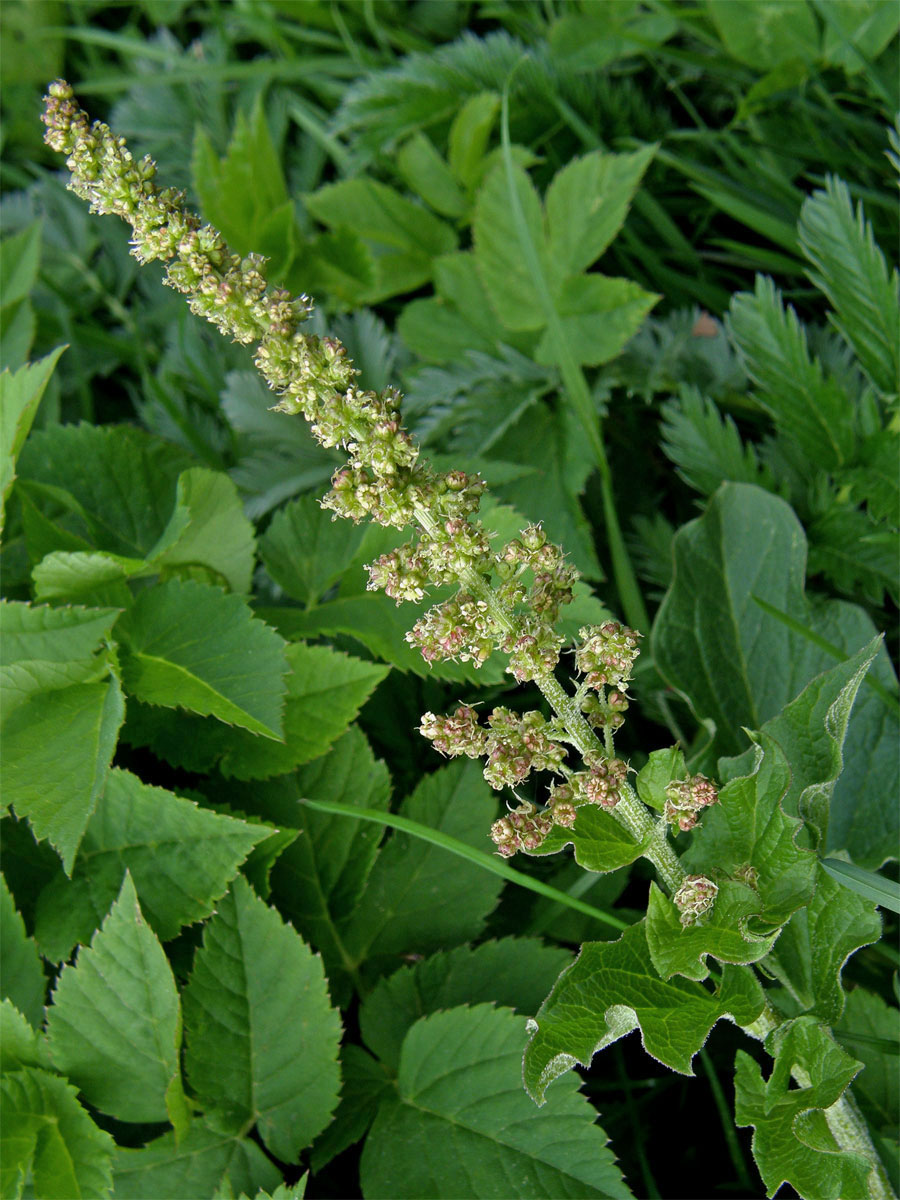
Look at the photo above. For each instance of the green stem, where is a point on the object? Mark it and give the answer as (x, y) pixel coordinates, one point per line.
(846, 1122)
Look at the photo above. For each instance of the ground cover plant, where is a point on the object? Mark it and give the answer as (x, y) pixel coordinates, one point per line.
(629, 564)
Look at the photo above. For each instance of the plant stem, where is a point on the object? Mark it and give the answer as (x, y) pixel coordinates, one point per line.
(629, 812)
(846, 1122)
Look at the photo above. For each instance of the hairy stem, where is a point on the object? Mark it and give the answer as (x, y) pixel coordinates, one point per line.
(846, 1122)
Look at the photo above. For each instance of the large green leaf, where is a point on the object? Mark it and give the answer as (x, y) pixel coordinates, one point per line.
(49, 1139)
(364, 1083)
(514, 972)
(420, 898)
(194, 647)
(57, 749)
(115, 1023)
(20, 1044)
(325, 691)
(84, 577)
(208, 529)
(180, 857)
(597, 316)
(306, 551)
(613, 988)
(818, 941)
(319, 880)
(403, 236)
(193, 1167)
(792, 1142)
(20, 395)
(851, 270)
(21, 972)
(462, 1126)
(870, 1031)
(117, 483)
(739, 665)
(587, 203)
(45, 649)
(601, 843)
(764, 35)
(503, 268)
(262, 1038)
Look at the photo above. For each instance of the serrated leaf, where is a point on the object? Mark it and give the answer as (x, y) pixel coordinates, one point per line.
(515, 973)
(21, 972)
(806, 404)
(325, 691)
(319, 880)
(50, 1139)
(851, 270)
(57, 748)
(20, 258)
(20, 395)
(39, 634)
(856, 31)
(208, 529)
(404, 237)
(601, 843)
(365, 1084)
(262, 1038)
(20, 1044)
(118, 481)
(597, 315)
(115, 1023)
(194, 647)
(611, 989)
(306, 551)
(791, 1141)
(587, 203)
(705, 446)
(858, 557)
(819, 940)
(193, 1167)
(501, 264)
(81, 577)
(460, 1127)
(180, 857)
(420, 898)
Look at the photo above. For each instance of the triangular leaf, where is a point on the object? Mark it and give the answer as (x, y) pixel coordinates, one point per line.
(21, 971)
(115, 1023)
(262, 1038)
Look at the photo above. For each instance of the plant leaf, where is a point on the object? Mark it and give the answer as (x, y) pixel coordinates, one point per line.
(611, 989)
(179, 856)
(514, 973)
(115, 1022)
(818, 941)
(49, 1139)
(306, 551)
(208, 529)
(194, 647)
(262, 1038)
(193, 1167)
(20, 395)
(601, 843)
(851, 270)
(21, 970)
(365, 1083)
(867, 884)
(470, 1125)
(805, 404)
(791, 1141)
(419, 898)
(325, 691)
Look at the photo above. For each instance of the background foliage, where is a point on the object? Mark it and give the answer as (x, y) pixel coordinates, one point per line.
(268, 993)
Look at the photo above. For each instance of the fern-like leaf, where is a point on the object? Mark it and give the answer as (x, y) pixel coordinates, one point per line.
(805, 404)
(705, 445)
(850, 269)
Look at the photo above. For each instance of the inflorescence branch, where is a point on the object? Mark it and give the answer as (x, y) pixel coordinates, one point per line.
(507, 600)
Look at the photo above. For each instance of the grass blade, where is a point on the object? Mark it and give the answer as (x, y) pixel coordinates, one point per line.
(868, 884)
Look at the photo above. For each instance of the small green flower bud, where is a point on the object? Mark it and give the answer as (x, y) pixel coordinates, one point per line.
(695, 898)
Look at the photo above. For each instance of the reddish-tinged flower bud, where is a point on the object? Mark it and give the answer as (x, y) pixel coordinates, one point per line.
(695, 898)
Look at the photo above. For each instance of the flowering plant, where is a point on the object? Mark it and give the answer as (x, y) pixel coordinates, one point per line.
(752, 887)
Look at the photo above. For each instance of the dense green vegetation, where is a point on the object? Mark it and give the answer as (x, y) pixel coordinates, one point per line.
(628, 261)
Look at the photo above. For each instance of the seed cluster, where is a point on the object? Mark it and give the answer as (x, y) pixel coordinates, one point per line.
(685, 798)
